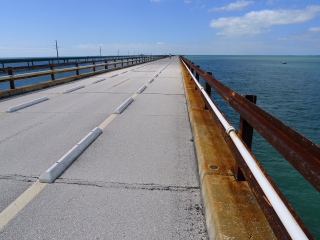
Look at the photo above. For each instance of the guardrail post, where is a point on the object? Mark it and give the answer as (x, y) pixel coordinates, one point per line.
(208, 90)
(208, 87)
(11, 81)
(197, 74)
(245, 133)
(52, 74)
(77, 65)
(94, 65)
(106, 64)
(197, 77)
(115, 65)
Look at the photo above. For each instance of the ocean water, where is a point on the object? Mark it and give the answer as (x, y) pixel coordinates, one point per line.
(290, 92)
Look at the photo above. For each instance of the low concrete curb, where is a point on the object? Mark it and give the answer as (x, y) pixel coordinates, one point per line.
(73, 89)
(99, 80)
(63, 163)
(142, 89)
(124, 105)
(27, 104)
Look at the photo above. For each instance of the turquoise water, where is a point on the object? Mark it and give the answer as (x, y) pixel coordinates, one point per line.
(290, 92)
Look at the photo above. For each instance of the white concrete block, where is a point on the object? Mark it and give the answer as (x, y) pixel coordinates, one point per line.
(124, 105)
(27, 104)
(63, 163)
(99, 80)
(73, 89)
(142, 89)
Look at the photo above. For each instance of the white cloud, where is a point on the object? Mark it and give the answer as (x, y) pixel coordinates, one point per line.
(257, 22)
(187, 1)
(238, 5)
(314, 29)
(155, 0)
(160, 43)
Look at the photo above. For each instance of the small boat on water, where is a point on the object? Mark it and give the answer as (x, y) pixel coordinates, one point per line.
(284, 62)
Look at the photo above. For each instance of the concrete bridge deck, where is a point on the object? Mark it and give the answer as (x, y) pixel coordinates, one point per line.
(159, 170)
(137, 180)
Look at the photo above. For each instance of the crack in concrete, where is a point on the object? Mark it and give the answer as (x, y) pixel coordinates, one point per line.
(131, 186)
(18, 177)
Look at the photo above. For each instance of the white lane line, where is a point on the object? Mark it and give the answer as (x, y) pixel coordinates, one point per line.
(73, 89)
(27, 104)
(51, 174)
(15, 207)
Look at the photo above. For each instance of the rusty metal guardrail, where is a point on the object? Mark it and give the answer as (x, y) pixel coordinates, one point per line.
(95, 64)
(31, 62)
(300, 152)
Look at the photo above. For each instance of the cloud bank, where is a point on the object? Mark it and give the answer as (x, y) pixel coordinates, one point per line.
(257, 22)
(238, 5)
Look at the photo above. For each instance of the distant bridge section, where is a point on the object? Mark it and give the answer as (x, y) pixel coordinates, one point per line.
(46, 72)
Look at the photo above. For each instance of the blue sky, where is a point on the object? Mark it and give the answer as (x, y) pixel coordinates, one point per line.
(29, 28)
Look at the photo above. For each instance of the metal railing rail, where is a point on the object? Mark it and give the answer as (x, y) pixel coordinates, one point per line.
(284, 221)
(64, 63)
(123, 62)
(31, 61)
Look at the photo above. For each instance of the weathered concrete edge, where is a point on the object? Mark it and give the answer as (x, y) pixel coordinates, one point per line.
(231, 211)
